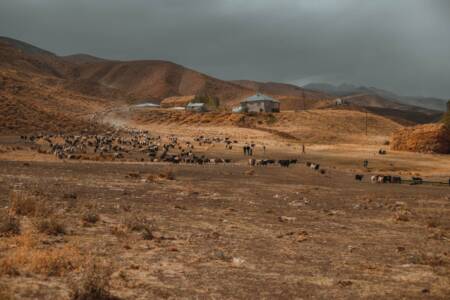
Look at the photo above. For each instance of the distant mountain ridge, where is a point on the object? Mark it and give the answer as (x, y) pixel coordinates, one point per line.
(350, 89)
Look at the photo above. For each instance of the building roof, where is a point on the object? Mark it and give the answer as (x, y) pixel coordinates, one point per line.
(196, 104)
(260, 97)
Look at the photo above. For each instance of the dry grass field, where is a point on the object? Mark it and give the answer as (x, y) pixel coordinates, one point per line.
(126, 229)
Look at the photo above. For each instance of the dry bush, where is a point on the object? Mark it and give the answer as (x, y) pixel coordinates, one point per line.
(249, 172)
(26, 203)
(90, 217)
(435, 220)
(21, 203)
(9, 225)
(165, 175)
(94, 285)
(6, 292)
(168, 175)
(140, 223)
(430, 259)
(119, 231)
(29, 257)
(51, 226)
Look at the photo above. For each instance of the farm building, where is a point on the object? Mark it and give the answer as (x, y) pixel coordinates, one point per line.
(339, 102)
(196, 107)
(260, 103)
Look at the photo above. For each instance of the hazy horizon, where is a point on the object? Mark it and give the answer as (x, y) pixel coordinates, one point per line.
(400, 46)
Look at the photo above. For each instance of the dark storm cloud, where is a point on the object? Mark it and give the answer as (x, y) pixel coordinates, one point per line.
(402, 45)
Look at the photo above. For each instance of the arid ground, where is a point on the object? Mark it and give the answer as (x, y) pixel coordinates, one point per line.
(151, 230)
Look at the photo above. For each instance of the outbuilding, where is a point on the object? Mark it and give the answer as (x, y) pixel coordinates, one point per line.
(196, 107)
(260, 103)
(339, 102)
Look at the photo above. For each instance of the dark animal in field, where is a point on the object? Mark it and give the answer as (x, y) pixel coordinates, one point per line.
(284, 163)
(382, 152)
(417, 180)
(359, 177)
(396, 179)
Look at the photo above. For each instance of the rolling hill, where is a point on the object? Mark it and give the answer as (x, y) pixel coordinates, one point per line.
(38, 87)
(350, 89)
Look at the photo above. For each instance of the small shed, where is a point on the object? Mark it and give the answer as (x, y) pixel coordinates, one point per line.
(196, 107)
(339, 102)
(260, 103)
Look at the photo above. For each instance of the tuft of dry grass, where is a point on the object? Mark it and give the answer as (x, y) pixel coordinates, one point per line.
(51, 226)
(26, 203)
(165, 175)
(5, 292)
(29, 257)
(90, 217)
(9, 225)
(249, 172)
(94, 285)
(434, 220)
(140, 223)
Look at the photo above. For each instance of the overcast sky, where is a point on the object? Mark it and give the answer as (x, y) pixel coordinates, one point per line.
(401, 45)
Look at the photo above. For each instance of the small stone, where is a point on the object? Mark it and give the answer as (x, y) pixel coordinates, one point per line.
(285, 219)
(400, 249)
(237, 262)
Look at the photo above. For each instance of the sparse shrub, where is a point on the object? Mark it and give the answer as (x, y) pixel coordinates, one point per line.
(27, 257)
(25, 203)
(141, 224)
(22, 203)
(434, 220)
(134, 175)
(249, 172)
(429, 259)
(9, 225)
(270, 119)
(90, 217)
(51, 226)
(6, 292)
(402, 216)
(94, 285)
(119, 231)
(147, 234)
(167, 175)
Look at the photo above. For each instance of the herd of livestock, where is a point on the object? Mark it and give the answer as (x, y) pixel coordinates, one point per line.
(141, 145)
(126, 144)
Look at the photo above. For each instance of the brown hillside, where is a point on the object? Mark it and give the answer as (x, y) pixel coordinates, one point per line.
(45, 84)
(34, 103)
(321, 126)
(434, 138)
(157, 80)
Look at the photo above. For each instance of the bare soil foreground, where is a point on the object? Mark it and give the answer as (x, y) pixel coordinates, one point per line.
(126, 229)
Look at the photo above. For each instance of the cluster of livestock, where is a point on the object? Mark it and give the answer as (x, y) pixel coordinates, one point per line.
(125, 144)
(390, 179)
(283, 163)
(380, 178)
